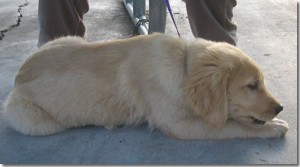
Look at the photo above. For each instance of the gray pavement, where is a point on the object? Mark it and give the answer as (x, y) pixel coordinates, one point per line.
(267, 31)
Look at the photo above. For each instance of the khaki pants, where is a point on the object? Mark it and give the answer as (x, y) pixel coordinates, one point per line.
(61, 18)
(212, 19)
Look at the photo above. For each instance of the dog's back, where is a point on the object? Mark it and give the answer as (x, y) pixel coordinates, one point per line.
(65, 41)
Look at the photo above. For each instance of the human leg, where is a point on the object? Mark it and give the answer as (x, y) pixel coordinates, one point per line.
(61, 18)
(212, 19)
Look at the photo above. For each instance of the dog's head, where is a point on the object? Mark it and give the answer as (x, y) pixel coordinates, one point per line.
(223, 83)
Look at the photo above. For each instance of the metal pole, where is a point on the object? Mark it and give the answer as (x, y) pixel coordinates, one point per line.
(157, 16)
(143, 28)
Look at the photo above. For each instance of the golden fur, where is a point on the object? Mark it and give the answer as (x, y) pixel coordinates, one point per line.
(188, 89)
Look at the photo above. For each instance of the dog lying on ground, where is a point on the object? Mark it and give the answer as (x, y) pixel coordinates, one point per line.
(187, 89)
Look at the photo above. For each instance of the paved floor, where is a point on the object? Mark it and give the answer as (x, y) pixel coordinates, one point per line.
(267, 30)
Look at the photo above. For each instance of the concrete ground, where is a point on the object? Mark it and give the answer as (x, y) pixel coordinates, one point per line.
(267, 31)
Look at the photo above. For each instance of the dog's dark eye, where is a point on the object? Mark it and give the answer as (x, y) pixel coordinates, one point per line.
(253, 86)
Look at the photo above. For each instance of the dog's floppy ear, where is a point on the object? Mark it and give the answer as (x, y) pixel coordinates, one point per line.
(206, 88)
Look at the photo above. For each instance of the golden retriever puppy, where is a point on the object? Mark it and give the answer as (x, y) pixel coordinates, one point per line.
(188, 89)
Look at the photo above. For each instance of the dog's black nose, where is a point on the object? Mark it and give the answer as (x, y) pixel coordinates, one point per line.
(278, 109)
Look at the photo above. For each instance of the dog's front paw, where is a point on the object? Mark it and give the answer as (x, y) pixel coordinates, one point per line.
(274, 129)
(280, 125)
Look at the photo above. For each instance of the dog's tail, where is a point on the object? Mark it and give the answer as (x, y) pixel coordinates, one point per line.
(28, 118)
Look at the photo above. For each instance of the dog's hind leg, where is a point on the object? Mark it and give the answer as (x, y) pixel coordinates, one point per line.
(27, 117)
